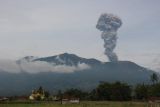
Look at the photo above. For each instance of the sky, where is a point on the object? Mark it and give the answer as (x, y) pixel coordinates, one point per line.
(50, 27)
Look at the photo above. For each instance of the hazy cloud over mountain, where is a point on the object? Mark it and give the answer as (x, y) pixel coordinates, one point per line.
(49, 27)
(39, 66)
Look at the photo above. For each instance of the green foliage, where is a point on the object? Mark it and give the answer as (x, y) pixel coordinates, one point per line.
(154, 78)
(40, 90)
(112, 91)
(105, 91)
(75, 93)
(154, 90)
(93, 95)
(141, 91)
(46, 94)
(83, 104)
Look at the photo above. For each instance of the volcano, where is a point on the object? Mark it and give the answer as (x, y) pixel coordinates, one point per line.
(22, 83)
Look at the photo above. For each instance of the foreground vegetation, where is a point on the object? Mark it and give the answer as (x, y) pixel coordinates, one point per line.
(116, 94)
(83, 104)
(105, 91)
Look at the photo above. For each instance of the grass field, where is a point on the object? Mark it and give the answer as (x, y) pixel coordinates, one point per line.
(82, 104)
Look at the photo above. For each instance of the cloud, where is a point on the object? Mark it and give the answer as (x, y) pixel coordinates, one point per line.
(39, 66)
(9, 66)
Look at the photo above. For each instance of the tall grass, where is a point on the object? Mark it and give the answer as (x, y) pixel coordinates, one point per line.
(83, 104)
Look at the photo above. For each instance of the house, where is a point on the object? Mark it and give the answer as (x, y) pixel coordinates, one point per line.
(4, 99)
(70, 100)
(154, 99)
(37, 94)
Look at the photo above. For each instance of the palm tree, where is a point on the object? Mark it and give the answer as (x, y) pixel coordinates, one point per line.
(154, 78)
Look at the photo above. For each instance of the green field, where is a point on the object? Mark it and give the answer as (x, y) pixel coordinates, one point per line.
(82, 104)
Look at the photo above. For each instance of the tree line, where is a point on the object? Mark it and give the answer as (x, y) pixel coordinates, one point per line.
(117, 91)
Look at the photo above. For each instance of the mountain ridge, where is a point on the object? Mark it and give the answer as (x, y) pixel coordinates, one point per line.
(86, 79)
(68, 59)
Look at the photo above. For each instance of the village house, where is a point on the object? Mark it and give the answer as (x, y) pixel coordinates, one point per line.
(154, 99)
(70, 100)
(37, 94)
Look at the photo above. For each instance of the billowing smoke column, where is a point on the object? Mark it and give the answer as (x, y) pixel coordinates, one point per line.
(109, 24)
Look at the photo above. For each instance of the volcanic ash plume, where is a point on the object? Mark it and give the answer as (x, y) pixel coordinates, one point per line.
(109, 24)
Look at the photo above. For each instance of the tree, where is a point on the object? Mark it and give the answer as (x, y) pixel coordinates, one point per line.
(154, 78)
(113, 91)
(76, 93)
(40, 90)
(59, 95)
(154, 90)
(47, 94)
(141, 91)
(93, 95)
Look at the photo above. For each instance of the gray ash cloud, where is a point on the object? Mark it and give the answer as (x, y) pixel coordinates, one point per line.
(109, 24)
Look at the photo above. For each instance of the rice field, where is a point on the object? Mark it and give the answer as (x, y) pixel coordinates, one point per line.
(82, 104)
